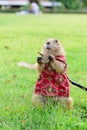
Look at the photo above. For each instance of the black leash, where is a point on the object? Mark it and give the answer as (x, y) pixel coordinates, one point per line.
(78, 85)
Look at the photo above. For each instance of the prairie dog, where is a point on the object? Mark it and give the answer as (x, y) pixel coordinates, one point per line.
(53, 81)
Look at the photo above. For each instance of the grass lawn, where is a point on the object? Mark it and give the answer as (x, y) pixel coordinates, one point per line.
(21, 37)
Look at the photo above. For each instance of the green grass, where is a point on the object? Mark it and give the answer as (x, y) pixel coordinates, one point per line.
(21, 37)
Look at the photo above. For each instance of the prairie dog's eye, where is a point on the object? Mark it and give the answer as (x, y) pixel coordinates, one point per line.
(56, 41)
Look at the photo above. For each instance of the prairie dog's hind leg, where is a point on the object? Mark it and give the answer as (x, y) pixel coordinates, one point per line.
(66, 102)
(38, 100)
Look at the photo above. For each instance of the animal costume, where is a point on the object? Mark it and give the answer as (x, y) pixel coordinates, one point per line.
(51, 83)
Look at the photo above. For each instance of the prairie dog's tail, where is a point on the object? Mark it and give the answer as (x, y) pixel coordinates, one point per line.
(26, 65)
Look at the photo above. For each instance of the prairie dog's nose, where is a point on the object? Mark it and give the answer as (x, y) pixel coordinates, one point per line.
(48, 43)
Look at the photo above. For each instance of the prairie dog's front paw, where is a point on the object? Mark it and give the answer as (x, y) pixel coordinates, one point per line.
(51, 58)
(39, 60)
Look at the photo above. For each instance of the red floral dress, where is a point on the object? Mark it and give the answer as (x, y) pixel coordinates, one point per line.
(51, 83)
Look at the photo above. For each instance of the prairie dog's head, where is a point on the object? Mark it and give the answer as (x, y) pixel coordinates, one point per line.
(52, 46)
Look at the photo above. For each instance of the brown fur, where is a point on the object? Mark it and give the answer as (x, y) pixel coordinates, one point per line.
(52, 47)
